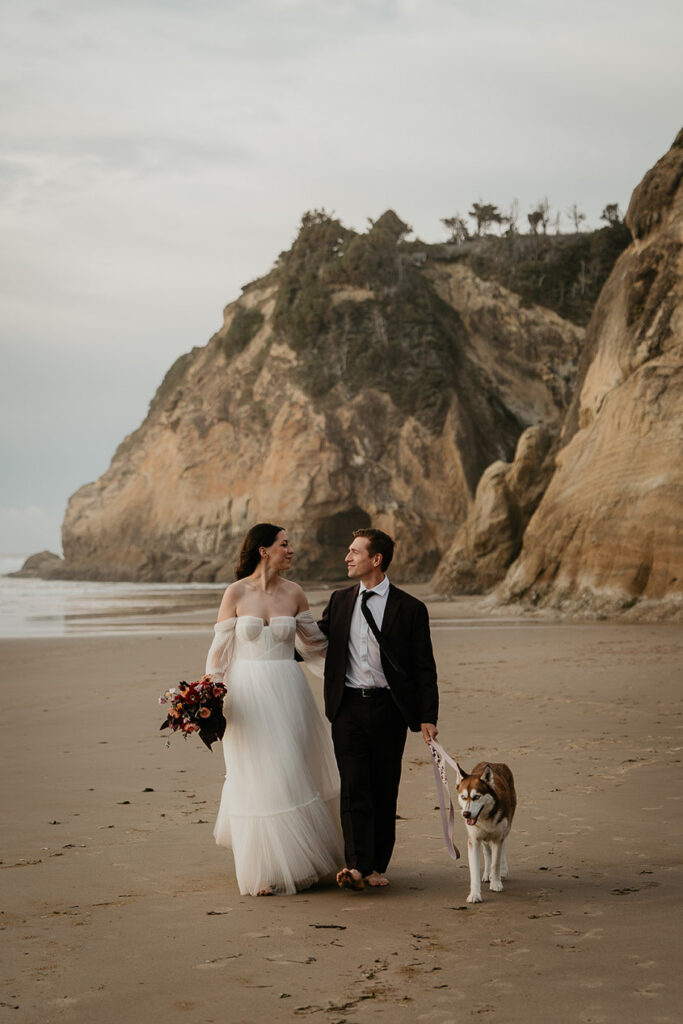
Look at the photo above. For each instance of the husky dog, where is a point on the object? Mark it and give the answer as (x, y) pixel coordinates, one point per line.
(487, 799)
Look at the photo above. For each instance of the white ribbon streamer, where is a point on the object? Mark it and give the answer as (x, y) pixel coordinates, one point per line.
(439, 759)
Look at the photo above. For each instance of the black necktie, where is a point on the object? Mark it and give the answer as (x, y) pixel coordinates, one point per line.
(365, 597)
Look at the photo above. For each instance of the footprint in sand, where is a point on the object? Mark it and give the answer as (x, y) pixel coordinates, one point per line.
(652, 991)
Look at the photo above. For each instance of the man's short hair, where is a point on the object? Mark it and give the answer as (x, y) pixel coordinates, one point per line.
(379, 543)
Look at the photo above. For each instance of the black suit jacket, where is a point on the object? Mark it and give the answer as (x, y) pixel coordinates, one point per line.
(405, 633)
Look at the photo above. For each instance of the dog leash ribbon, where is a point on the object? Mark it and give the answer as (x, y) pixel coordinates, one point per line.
(439, 760)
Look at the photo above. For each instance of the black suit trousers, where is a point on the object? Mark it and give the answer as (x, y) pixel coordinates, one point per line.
(369, 735)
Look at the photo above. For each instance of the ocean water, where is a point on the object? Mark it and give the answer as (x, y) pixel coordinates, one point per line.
(51, 608)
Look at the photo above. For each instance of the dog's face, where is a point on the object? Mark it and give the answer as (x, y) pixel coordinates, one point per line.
(475, 795)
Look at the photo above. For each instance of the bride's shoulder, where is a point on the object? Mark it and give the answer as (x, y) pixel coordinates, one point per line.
(297, 592)
(234, 590)
(231, 596)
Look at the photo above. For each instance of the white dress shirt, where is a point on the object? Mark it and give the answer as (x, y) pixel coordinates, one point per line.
(364, 664)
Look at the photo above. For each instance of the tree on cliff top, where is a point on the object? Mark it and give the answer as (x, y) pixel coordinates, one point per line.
(485, 214)
(611, 214)
(457, 226)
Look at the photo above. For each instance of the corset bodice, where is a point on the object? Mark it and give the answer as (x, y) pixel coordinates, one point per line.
(256, 641)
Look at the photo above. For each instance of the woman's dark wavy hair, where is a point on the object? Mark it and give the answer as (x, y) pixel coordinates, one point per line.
(260, 536)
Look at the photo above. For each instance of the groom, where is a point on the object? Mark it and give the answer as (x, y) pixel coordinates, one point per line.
(380, 679)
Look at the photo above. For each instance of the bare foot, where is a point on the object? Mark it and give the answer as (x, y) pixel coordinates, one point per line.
(377, 880)
(350, 878)
(265, 892)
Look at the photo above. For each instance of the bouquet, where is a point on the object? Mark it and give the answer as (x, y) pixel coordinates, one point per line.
(196, 707)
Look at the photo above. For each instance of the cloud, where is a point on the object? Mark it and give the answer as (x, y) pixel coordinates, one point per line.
(158, 155)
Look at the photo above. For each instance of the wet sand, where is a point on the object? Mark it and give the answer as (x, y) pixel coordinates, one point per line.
(117, 906)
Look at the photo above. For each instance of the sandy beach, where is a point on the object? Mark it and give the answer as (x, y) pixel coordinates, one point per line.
(117, 906)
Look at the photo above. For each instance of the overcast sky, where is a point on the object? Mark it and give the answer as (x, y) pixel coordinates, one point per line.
(158, 154)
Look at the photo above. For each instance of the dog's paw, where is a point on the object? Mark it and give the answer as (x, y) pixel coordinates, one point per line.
(474, 898)
(496, 886)
(485, 877)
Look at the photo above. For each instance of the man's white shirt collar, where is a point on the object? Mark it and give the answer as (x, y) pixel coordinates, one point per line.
(380, 589)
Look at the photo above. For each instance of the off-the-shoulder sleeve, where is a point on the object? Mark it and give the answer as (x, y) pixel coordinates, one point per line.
(310, 642)
(221, 650)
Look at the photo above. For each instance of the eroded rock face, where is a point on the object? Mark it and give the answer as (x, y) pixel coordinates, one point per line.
(506, 338)
(491, 537)
(608, 533)
(326, 402)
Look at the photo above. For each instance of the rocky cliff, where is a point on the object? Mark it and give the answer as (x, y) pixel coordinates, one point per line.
(359, 382)
(490, 539)
(607, 535)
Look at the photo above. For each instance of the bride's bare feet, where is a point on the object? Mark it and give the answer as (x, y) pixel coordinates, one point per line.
(350, 878)
(265, 892)
(377, 880)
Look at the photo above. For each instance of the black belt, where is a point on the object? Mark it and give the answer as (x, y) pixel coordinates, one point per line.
(370, 691)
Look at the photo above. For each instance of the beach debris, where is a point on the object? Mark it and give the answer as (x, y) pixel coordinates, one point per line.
(352, 1002)
(217, 960)
(282, 960)
(341, 927)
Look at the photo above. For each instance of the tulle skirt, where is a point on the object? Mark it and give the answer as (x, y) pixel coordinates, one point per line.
(279, 808)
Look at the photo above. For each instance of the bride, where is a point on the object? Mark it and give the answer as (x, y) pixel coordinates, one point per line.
(279, 809)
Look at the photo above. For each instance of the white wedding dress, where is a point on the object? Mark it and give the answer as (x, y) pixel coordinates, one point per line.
(279, 808)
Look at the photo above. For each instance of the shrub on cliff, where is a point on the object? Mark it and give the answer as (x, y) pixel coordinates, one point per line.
(245, 324)
(305, 272)
(402, 339)
(564, 273)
